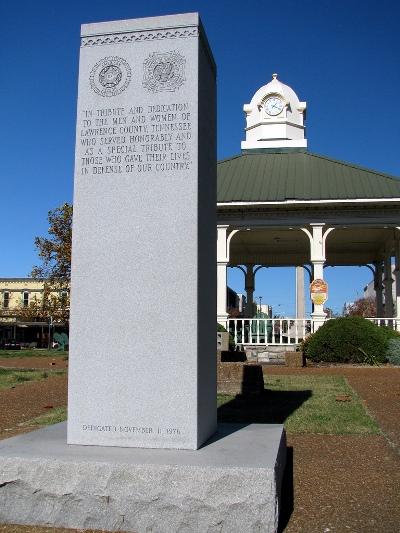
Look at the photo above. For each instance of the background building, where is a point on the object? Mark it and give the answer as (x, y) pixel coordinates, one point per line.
(23, 317)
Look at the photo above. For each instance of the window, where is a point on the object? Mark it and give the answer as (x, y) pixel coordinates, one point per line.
(63, 297)
(6, 299)
(25, 298)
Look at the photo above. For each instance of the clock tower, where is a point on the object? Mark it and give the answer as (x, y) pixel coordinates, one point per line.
(275, 119)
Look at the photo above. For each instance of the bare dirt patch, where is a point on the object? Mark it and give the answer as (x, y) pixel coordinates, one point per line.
(34, 362)
(28, 400)
(346, 483)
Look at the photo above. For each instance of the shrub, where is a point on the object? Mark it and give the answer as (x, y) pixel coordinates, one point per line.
(393, 351)
(348, 340)
(390, 333)
(304, 343)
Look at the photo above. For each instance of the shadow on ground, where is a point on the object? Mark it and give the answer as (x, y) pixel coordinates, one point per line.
(268, 407)
(287, 492)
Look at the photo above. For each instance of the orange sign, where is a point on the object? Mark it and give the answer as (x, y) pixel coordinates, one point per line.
(319, 291)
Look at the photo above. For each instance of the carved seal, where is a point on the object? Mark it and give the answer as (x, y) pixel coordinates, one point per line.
(110, 76)
(164, 71)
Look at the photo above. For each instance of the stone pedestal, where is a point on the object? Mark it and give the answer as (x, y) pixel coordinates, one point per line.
(295, 359)
(222, 341)
(221, 487)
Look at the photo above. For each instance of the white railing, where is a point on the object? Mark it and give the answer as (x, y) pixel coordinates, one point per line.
(282, 331)
(269, 331)
(393, 323)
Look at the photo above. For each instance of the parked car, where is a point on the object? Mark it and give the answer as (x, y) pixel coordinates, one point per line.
(10, 345)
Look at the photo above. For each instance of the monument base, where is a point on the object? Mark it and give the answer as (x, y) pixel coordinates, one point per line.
(231, 484)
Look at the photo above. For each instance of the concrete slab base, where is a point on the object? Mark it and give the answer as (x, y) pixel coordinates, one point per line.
(232, 484)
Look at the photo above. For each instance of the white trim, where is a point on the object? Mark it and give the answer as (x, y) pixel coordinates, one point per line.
(310, 237)
(301, 202)
(273, 143)
(277, 121)
(325, 235)
(228, 241)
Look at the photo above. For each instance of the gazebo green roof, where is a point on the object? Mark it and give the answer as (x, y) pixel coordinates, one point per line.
(299, 176)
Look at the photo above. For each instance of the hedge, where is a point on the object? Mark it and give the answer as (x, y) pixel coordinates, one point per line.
(348, 340)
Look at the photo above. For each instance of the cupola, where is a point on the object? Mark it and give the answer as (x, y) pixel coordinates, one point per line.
(275, 119)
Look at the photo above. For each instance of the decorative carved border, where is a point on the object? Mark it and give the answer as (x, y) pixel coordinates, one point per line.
(139, 36)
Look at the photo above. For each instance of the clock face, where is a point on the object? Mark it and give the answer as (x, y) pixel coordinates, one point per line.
(273, 105)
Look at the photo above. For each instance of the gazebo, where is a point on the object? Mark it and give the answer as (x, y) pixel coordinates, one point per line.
(280, 205)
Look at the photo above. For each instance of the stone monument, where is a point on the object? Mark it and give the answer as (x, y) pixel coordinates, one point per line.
(143, 261)
(143, 281)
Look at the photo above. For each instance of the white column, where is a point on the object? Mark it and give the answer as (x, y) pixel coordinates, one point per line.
(317, 238)
(397, 278)
(300, 304)
(249, 286)
(318, 261)
(222, 262)
(378, 275)
(309, 269)
(387, 283)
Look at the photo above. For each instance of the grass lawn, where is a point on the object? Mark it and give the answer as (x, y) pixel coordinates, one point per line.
(9, 354)
(54, 416)
(304, 404)
(10, 377)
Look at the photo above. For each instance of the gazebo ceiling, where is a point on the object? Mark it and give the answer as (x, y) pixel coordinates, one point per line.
(270, 247)
(290, 247)
(357, 245)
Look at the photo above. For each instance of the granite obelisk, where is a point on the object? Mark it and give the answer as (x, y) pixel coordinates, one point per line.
(142, 332)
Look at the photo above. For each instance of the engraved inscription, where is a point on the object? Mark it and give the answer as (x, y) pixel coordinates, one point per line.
(142, 138)
(164, 71)
(138, 430)
(110, 76)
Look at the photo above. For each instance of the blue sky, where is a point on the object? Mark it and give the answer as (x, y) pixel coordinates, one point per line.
(341, 56)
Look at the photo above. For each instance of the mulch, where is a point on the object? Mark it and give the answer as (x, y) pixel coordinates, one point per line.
(29, 400)
(348, 483)
(342, 483)
(332, 483)
(52, 363)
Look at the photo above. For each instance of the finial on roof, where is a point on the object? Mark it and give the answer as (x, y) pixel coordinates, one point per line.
(274, 76)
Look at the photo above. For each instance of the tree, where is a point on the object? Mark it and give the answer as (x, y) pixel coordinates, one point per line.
(365, 307)
(55, 269)
(330, 313)
(55, 250)
(51, 305)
